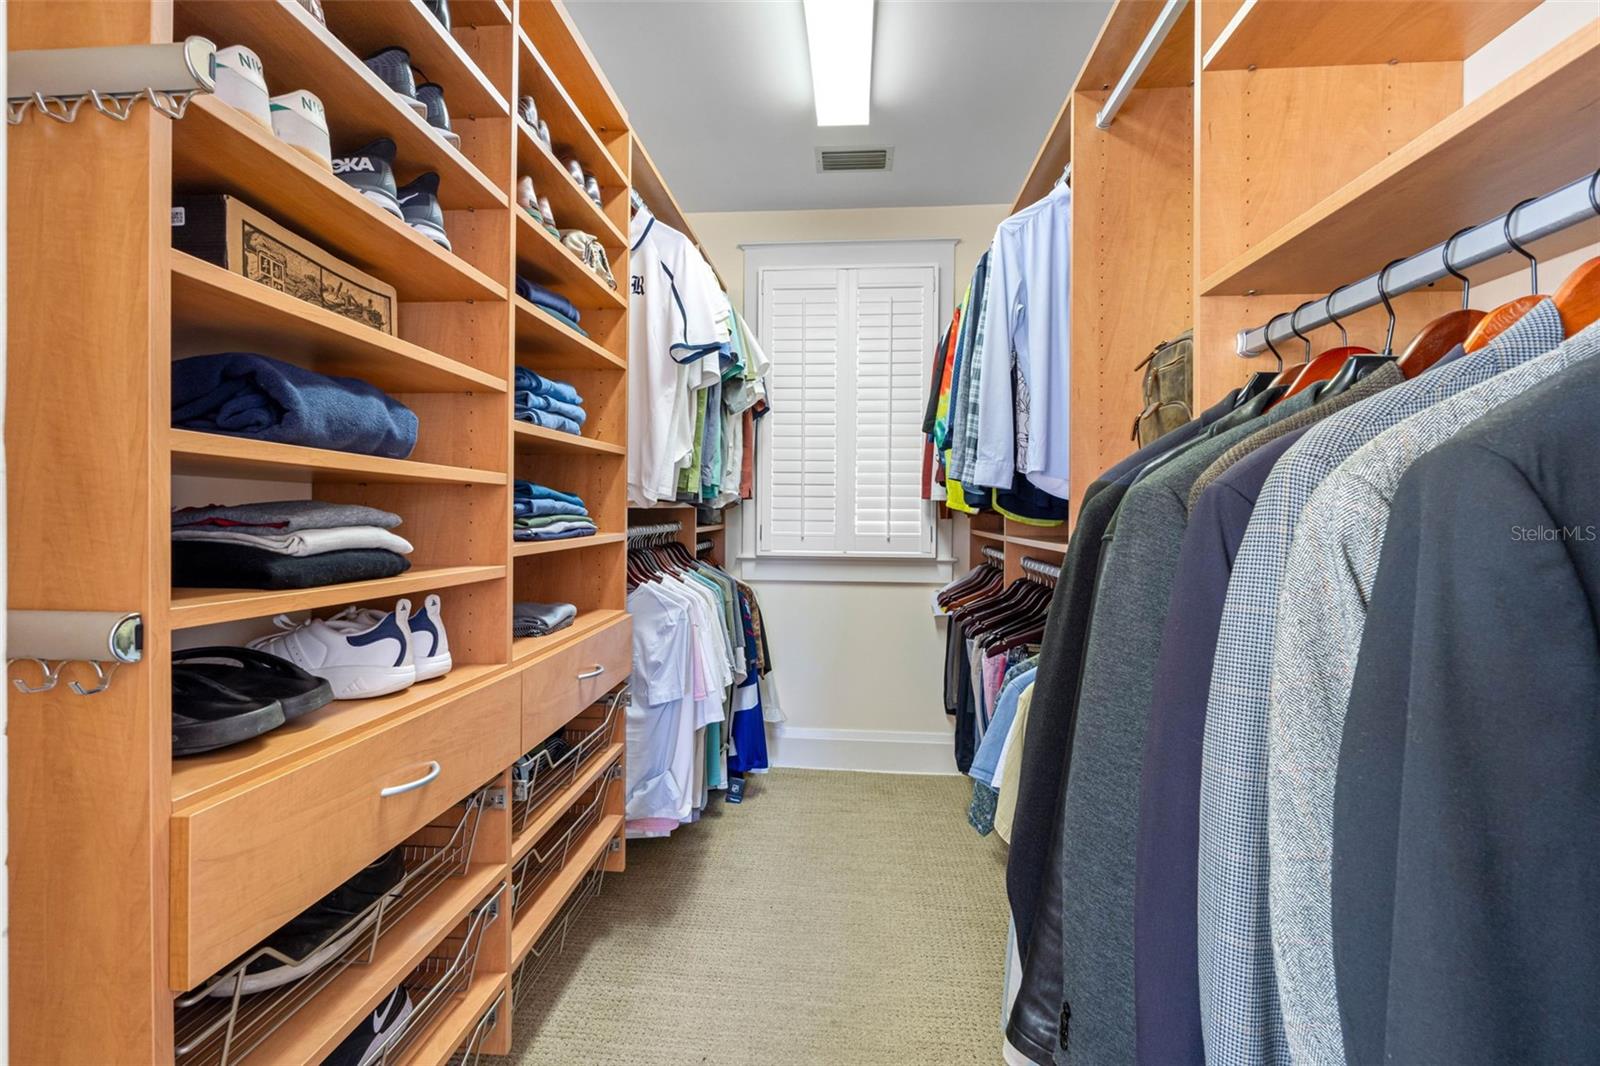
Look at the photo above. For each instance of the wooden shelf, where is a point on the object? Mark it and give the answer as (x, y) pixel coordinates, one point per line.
(1461, 171)
(986, 534)
(1038, 543)
(459, 1020)
(544, 259)
(300, 52)
(537, 918)
(366, 28)
(520, 548)
(563, 46)
(218, 455)
(312, 1033)
(531, 438)
(562, 801)
(202, 607)
(479, 13)
(568, 201)
(569, 128)
(1292, 33)
(649, 184)
(527, 650)
(715, 527)
(1121, 35)
(196, 778)
(544, 340)
(214, 309)
(216, 149)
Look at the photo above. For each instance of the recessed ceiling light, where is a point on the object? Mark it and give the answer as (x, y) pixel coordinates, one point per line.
(839, 33)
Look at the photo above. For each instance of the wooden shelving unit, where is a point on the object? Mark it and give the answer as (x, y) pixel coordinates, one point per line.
(157, 838)
(1276, 33)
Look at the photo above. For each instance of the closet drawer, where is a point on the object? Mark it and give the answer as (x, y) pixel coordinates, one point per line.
(246, 861)
(556, 689)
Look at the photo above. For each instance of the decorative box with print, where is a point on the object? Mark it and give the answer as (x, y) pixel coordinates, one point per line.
(226, 231)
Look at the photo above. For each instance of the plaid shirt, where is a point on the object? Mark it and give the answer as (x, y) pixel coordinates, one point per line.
(1335, 555)
(1239, 1008)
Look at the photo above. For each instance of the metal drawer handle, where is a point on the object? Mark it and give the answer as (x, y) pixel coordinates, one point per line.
(410, 786)
(596, 672)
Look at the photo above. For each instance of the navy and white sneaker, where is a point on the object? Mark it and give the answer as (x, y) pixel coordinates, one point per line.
(419, 204)
(376, 1032)
(370, 171)
(440, 10)
(432, 97)
(361, 652)
(393, 66)
(430, 645)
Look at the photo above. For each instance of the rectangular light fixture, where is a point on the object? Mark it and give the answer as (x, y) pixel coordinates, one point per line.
(839, 33)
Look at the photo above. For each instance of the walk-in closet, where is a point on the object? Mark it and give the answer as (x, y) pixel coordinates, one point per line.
(801, 532)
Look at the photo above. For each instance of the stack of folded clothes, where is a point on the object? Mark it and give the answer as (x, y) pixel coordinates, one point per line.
(247, 395)
(552, 302)
(286, 544)
(548, 403)
(538, 619)
(540, 513)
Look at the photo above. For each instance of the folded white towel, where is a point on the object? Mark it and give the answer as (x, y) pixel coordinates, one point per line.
(305, 541)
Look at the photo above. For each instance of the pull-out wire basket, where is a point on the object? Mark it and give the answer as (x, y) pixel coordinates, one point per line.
(539, 775)
(471, 1049)
(549, 855)
(218, 1024)
(438, 981)
(554, 938)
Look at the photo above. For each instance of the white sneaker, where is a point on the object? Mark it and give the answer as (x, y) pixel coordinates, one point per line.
(430, 645)
(362, 653)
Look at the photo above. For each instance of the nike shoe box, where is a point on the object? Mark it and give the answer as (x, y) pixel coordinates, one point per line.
(230, 233)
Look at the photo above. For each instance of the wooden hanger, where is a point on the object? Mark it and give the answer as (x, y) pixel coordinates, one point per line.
(1439, 338)
(1330, 362)
(1506, 315)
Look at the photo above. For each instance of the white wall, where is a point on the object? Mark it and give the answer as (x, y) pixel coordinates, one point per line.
(859, 667)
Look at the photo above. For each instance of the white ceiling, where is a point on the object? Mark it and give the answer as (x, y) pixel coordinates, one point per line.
(720, 92)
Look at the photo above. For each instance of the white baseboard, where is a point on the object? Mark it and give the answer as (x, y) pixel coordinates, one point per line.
(879, 751)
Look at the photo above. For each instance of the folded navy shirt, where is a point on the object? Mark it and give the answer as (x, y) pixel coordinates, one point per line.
(247, 395)
(542, 297)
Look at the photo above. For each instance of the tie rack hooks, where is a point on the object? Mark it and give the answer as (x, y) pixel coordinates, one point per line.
(103, 640)
(52, 80)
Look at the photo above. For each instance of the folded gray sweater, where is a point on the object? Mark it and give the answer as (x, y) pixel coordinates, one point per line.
(284, 516)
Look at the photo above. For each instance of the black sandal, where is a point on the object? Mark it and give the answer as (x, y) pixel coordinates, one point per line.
(261, 674)
(207, 716)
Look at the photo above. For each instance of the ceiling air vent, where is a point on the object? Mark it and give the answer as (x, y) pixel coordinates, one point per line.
(832, 159)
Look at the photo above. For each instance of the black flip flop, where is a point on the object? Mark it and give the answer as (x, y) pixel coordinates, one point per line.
(259, 674)
(207, 716)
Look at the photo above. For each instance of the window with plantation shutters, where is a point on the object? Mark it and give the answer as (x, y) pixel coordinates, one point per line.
(840, 460)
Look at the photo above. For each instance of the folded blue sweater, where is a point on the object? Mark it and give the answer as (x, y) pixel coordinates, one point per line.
(540, 296)
(247, 395)
(528, 381)
(538, 401)
(529, 490)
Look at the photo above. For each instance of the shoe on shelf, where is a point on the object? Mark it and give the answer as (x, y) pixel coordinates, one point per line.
(548, 215)
(440, 9)
(528, 198)
(360, 658)
(374, 1032)
(393, 66)
(544, 134)
(591, 185)
(419, 201)
(320, 933)
(430, 645)
(301, 122)
(529, 113)
(207, 715)
(370, 171)
(432, 97)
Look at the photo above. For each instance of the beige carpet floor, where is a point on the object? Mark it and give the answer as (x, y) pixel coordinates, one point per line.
(831, 919)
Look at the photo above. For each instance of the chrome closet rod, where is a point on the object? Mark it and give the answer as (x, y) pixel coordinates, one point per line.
(1568, 206)
(1141, 59)
(994, 555)
(1038, 566)
(654, 530)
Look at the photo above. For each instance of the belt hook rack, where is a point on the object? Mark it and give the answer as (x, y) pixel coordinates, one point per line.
(52, 79)
(102, 639)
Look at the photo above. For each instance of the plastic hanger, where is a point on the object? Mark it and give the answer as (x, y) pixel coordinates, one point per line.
(1261, 380)
(1506, 315)
(1578, 299)
(1439, 338)
(1362, 363)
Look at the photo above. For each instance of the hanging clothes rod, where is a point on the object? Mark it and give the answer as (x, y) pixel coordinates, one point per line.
(1031, 565)
(656, 530)
(1141, 59)
(1568, 206)
(703, 546)
(994, 555)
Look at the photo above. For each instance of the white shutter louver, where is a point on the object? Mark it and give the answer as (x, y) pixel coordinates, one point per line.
(841, 455)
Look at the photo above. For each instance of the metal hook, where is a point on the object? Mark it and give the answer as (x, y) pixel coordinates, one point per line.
(1267, 336)
(1295, 329)
(1506, 226)
(51, 676)
(1450, 268)
(103, 674)
(1383, 294)
(1327, 308)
